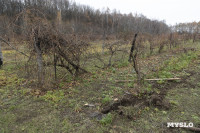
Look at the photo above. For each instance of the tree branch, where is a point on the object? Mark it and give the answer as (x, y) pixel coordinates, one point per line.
(1, 39)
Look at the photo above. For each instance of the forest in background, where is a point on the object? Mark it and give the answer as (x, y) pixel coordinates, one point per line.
(80, 18)
(84, 19)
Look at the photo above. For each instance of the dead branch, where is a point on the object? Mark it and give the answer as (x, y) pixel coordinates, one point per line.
(1, 39)
(75, 66)
(121, 81)
(118, 81)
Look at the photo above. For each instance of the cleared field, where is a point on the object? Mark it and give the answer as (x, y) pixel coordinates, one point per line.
(76, 105)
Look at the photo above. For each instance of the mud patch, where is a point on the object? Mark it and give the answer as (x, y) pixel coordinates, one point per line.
(127, 100)
(147, 99)
(154, 99)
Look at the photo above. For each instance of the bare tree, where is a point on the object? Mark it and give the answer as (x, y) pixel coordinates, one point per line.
(115, 52)
(39, 57)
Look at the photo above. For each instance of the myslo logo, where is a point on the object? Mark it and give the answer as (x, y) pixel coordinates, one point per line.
(179, 124)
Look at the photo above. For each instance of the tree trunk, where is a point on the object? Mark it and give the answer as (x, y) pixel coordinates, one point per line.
(170, 38)
(104, 38)
(151, 48)
(1, 56)
(194, 38)
(132, 48)
(133, 57)
(39, 59)
(55, 63)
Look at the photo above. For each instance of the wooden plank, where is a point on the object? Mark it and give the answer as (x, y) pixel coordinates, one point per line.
(118, 81)
(163, 79)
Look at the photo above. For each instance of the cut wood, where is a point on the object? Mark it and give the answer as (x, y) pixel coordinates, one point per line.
(163, 79)
(194, 129)
(118, 81)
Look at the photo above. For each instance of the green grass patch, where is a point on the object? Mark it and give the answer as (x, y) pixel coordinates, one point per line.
(174, 65)
(54, 97)
(107, 120)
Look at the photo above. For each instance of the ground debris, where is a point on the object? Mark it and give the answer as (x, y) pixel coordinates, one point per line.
(97, 115)
(89, 105)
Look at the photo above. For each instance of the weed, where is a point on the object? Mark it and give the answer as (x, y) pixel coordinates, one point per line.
(106, 99)
(6, 120)
(66, 126)
(107, 120)
(123, 64)
(54, 97)
(132, 111)
(61, 85)
(72, 103)
(77, 108)
(178, 63)
(147, 88)
(110, 79)
(113, 70)
(195, 118)
(24, 91)
(173, 65)
(130, 85)
(173, 102)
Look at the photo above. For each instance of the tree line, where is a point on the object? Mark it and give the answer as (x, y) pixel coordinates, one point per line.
(76, 18)
(192, 27)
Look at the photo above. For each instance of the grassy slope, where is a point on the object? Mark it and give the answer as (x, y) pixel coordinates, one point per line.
(22, 110)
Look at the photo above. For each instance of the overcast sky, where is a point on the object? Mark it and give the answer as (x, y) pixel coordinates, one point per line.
(172, 11)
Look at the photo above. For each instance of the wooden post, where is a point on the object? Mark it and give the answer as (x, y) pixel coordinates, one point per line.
(55, 61)
(1, 56)
(132, 48)
(104, 38)
(133, 57)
